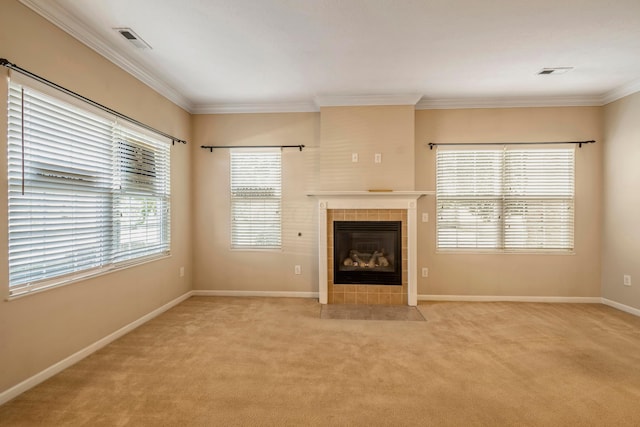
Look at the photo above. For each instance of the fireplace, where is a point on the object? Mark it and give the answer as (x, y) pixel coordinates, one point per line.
(367, 252)
(368, 206)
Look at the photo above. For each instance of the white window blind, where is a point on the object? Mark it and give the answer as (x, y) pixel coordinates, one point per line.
(85, 193)
(508, 199)
(256, 193)
(141, 199)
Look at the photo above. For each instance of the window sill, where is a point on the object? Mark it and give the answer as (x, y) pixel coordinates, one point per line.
(255, 249)
(75, 278)
(503, 252)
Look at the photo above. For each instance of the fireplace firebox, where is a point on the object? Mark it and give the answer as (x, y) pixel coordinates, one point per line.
(367, 252)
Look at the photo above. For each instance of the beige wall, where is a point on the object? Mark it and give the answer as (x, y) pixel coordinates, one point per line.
(388, 130)
(329, 158)
(514, 275)
(39, 330)
(217, 267)
(621, 226)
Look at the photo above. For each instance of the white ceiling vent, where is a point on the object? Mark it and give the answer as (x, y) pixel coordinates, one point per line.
(554, 70)
(133, 38)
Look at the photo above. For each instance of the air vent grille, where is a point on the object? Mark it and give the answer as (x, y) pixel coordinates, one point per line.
(133, 38)
(554, 70)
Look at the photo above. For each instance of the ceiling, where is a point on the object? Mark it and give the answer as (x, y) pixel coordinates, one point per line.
(213, 56)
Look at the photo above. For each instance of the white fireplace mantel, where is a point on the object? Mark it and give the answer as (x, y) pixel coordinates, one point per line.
(369, 200)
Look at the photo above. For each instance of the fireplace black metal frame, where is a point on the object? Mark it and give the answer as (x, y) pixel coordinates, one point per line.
(364, 276)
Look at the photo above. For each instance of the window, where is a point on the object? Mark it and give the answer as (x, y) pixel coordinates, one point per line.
(256, 193)
(506, 200)
(86, 194)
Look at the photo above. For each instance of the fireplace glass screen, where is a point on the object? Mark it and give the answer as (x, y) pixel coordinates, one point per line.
(367, 252)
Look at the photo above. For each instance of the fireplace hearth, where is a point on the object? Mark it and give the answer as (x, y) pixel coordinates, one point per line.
(367, 252)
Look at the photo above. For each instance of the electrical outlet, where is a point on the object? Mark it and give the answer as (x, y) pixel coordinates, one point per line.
(626, 280)
(354, 157)
(425, 272)
(297, 269)
(425, 217)
(377, 158)
(181, 271)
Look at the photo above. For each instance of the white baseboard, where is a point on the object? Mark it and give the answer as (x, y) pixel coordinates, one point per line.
(621, 307)
(497, 298)
(279, 294)
(54, 369)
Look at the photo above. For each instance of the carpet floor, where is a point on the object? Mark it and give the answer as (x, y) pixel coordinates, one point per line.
(216, 361)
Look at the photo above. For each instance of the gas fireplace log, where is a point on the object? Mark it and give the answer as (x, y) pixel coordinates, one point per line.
(356, 258)
(374, 259)
(377, 259)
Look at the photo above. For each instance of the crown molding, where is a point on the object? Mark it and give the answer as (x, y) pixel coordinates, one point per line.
(55, 14)
(515, 102)
(280, 107)
(622, 91)
(77, 29)
(366, 100)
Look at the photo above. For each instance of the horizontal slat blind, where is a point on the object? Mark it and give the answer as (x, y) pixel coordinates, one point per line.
(63, 183)
(469, 190)
(141, 197)
(539, 194)
(60, 224)
(505, 199)
(256, 193)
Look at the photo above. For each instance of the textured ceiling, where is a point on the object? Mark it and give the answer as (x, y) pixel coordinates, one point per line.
(235, 55)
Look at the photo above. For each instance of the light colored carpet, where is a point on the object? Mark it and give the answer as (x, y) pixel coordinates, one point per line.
(370, 312)
(273, 362)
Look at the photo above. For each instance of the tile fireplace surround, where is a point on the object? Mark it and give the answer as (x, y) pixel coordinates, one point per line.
(368, 206)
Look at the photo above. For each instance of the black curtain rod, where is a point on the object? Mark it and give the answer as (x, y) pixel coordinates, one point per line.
(211, 147)
(4, 62)
(435, 144)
